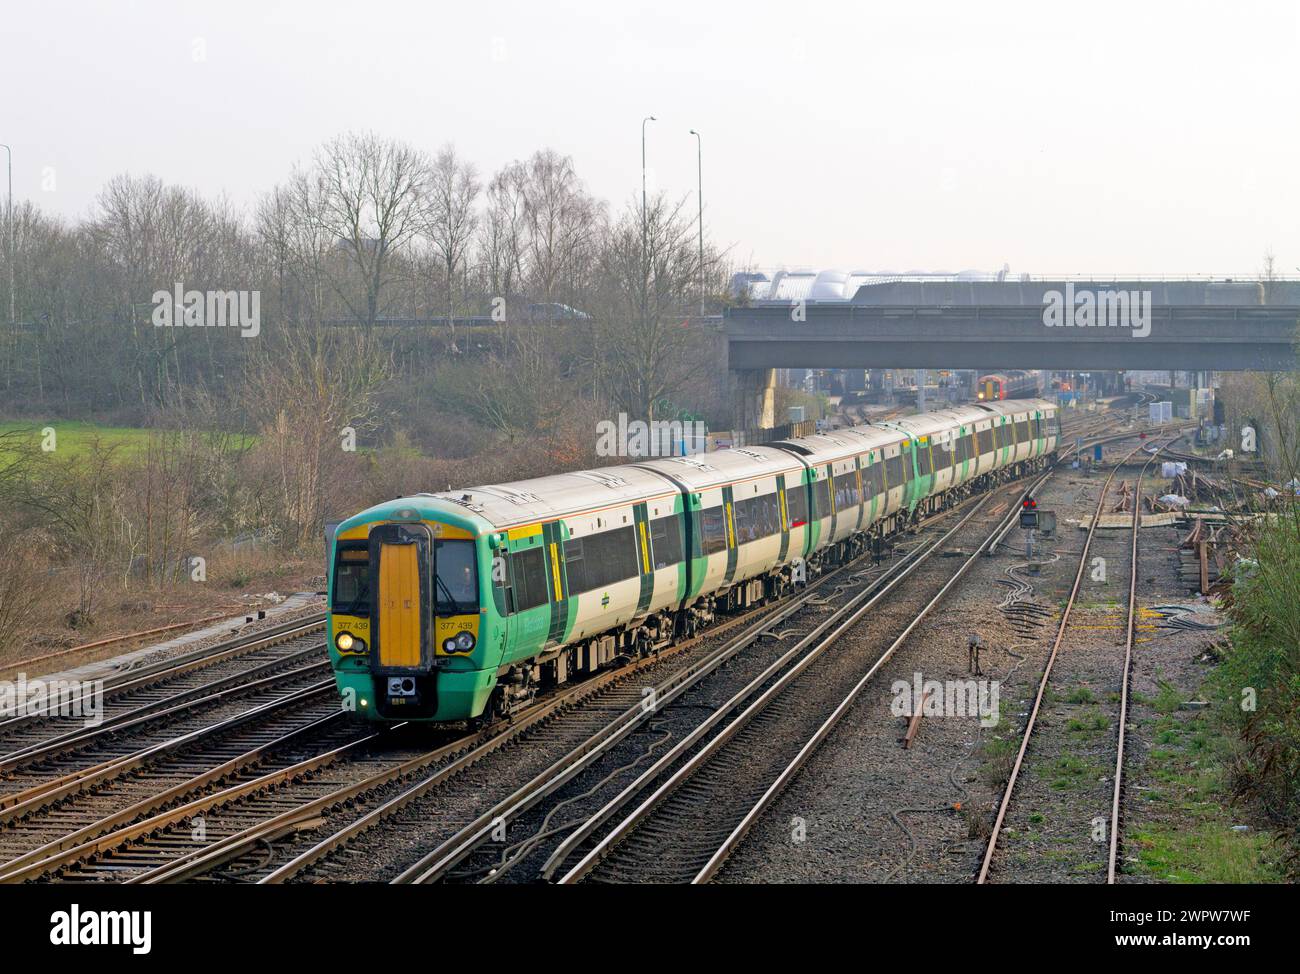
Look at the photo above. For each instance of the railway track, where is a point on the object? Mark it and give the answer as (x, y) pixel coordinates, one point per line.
(470, 809)
(1114, 825)
(705, 792)
(444, 785)
(170, 727)
(690, 801)
(159, 686)
(80, 756)
(124, 791)
(260, 789)
(265, 800)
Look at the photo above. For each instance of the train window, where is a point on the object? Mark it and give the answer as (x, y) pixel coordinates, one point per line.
(1022, 431)
(923, 461)
(666, 540)
(600, 559)
(503, 589)
(756, 517)
(713, 531)
(942, 453)
(796, 504)
(457, 584)
(984, 441)
(746, 529)
(575, 566)
(894, 471)
(822, 498)
(846, 491)
(746, 521)
(873, 479)
(529, 568)
(352, 579)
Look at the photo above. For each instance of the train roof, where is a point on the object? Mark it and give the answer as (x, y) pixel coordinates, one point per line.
(560, 495)
(927, 424)
(1007, 407)
(522, 502)
(700, 471)
(557, 495)
(844, 442)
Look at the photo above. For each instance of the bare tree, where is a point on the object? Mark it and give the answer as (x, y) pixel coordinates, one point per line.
(501, 231)
(643, 336)
(453, 189)
(561, 221)
(314, 384)
(292, 226)
(371, 195)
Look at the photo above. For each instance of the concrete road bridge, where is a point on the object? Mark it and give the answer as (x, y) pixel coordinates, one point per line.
(1093, 325)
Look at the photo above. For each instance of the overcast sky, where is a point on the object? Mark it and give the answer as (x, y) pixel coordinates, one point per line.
(1089, 137)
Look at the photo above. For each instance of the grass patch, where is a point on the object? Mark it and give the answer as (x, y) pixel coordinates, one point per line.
(1209, 853)
(1168, 699)
(1185, 832)
(71, 438)
(1088, 722)
(1068, 772)
(999, 757)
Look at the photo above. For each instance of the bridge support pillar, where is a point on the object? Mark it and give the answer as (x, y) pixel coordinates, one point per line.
(753, 398)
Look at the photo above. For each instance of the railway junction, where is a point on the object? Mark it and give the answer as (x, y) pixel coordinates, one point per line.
(843, 733)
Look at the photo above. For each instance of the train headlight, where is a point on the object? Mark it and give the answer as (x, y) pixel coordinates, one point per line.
(462, 642)
(348, 643)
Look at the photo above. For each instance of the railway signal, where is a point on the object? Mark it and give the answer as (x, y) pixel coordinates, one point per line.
(1029, 514)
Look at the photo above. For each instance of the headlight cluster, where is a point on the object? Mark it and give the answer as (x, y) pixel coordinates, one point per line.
(348, 643)
(462, 642)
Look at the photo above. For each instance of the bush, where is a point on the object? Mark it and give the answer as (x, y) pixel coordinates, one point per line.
(19, 581)
(1257, 687)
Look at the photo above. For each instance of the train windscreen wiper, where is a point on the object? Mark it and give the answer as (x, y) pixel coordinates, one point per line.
(456, 607)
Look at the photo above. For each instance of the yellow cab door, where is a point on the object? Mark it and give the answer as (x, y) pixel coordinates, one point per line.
(400, 556)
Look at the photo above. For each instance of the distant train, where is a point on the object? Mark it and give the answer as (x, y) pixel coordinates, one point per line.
(1007, 385)
(461, 605)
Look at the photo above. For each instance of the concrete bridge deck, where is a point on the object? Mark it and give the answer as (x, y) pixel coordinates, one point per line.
(1244, 326)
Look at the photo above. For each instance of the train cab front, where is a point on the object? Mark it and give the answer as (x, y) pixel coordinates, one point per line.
(405, 622)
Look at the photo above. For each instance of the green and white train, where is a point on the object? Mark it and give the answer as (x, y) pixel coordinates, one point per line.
(462, 605)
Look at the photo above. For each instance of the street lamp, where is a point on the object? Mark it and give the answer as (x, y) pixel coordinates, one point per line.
(699, 193)
(644, 212)
(9, 215)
